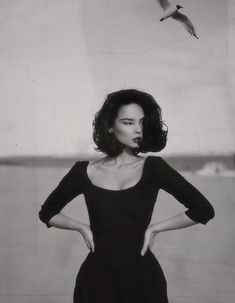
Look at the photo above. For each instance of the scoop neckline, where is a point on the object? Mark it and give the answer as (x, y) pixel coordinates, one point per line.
(117, 190)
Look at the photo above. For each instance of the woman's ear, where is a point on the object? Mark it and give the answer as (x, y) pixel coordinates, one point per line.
(110, 130)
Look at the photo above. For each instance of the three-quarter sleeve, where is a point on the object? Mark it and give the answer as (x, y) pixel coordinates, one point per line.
(68, 188)
(199, 208)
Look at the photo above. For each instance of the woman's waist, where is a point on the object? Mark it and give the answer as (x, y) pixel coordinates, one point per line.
(117, 248)
(120, 243)
(123, 239)
(119, 258)
(118, 231)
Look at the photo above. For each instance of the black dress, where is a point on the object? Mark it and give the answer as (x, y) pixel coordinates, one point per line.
(116, 272)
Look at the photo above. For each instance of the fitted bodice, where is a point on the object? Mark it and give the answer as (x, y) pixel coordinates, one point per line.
(119, 218)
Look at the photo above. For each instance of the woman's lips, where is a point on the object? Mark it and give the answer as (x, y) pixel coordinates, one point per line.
(137, 140)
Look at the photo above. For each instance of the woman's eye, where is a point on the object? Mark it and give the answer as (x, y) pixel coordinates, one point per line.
(127, 123)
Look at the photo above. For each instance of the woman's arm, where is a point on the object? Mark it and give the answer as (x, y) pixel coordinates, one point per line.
(199, 209)
(176, 222)
(64, 222)
(68, 188)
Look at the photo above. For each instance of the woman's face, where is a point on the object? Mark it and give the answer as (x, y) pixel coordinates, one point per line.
(128, 125)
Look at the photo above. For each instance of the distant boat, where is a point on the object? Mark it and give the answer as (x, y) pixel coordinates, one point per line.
(215, 169)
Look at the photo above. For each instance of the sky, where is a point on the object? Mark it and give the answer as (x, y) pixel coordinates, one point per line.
(60, 58)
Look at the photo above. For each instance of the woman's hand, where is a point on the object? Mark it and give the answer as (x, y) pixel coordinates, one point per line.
(148, 239)
(86, 232)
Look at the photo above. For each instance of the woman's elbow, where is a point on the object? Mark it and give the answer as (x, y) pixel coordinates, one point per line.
(45, 217)
(208, 213)
(211, 212)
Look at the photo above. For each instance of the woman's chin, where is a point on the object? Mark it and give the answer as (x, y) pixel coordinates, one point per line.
(131, 147)
(134, 146)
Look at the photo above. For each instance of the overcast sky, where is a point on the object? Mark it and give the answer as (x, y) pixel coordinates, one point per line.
(59, 58)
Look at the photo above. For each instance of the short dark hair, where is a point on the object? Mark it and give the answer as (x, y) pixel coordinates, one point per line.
(154, 134)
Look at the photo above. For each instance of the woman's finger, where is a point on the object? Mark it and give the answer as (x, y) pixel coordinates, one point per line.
(144, 248)
(151, 242)
(92, 246)
(146, 243)
(91, 242)
(87, 244)
(88, 237)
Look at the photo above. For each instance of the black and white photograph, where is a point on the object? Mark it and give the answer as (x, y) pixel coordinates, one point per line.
(117, 151)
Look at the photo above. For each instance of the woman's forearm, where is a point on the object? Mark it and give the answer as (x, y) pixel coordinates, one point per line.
(179, 221)
(64, 222)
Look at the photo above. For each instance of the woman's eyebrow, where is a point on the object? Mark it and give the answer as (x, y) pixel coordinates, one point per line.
(131, 119)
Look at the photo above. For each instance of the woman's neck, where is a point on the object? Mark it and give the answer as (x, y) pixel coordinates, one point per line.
(126, 157)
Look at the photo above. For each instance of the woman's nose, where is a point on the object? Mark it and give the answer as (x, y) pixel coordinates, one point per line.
(138, 129)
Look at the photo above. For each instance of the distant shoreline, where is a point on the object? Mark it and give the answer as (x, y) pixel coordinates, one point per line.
(184, 162)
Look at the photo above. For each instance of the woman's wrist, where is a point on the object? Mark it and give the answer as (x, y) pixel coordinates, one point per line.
(155, 228)
(81, 226)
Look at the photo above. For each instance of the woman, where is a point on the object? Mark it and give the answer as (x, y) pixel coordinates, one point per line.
(120, 192)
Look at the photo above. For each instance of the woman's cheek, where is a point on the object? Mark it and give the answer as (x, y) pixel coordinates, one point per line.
(122, 130)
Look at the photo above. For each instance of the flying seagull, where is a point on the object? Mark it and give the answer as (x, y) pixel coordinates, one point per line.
(173, 12)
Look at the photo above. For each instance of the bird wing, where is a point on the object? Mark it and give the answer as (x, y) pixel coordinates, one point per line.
(165, 4)
(186, 22)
